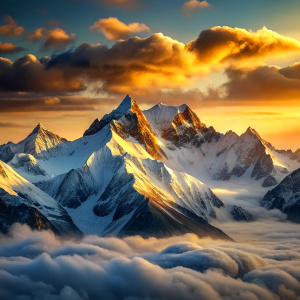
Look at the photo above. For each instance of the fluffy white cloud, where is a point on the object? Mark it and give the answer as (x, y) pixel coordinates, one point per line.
(39, 265)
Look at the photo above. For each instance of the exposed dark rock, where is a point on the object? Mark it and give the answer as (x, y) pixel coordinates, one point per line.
(23, 214)
(241, 215)
(285, 197)
(269, 181)
(153, 218)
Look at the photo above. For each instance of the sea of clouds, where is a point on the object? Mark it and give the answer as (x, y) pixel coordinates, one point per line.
(263, 263)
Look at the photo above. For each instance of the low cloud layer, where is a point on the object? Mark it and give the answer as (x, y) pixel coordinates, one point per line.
(114, 29)
(39, 265)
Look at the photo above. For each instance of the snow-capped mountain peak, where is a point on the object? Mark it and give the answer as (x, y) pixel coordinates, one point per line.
(40, 139)
(126, 104)
(39, 128)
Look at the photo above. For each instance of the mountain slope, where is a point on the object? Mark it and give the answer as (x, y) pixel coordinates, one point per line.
(128, 120)
(121, 180)
(285, 197)
(23, 214)
(191, 147)
(145, 173)
(15, 191)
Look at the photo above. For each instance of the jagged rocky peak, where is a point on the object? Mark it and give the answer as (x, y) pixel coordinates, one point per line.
(188, 116)
(127, 104)
(40, 139)
(128, 120)
(250, 140)
(38, 128)
(186, 127)
(252, 133)
(296, 155)
(285, 197)
(134, 123)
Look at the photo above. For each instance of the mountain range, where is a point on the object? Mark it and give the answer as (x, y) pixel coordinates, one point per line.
(143, 172)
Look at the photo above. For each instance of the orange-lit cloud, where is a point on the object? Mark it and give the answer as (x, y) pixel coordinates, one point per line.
(55, 39)
(6, 48)
(226, 45)
(191, 5)
(37, 35)
(11, 28)
(58, 38)
(114, 29)
(52, 101)
(143, 65)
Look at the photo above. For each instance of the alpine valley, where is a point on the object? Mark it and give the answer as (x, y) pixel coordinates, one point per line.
(158, 172)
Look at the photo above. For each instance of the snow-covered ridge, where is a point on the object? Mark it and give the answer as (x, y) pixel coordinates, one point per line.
(133, 166)
(15, 190)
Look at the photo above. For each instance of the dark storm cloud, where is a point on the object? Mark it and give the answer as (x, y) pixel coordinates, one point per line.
(41, 266)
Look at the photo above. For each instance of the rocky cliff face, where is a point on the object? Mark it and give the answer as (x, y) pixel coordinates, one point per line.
(285, 197)
(223, 157)
(23, 214)
(186, 128)
(129, 121)
(15, 191)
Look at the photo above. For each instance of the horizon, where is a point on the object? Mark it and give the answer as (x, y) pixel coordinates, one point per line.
(77, 135)
(233, 69)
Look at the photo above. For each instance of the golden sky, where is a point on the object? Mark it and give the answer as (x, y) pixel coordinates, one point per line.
(232, 76)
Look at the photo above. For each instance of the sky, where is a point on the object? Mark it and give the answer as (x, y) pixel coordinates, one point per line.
(235, 63)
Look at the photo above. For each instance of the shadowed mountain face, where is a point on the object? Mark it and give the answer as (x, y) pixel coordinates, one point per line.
(153, 218)
(23, 214)
(23, 202)
(286, 197)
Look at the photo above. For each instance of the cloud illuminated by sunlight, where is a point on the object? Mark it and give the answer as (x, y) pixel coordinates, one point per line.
(114, 29)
